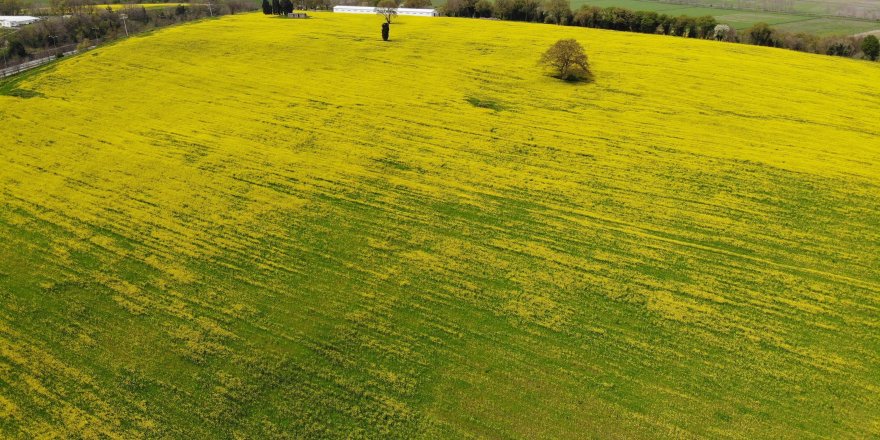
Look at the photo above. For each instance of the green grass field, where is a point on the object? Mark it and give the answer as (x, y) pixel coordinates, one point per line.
(253, 227)
(737, 15)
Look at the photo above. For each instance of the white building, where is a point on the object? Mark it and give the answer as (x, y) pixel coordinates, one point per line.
(11, 21)
(400, 11)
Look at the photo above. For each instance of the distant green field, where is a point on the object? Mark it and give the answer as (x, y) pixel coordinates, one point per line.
(850, 8)
(738, 16)
(829, 26)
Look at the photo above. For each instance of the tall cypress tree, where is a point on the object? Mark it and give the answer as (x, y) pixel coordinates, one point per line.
(286, 6)
(267, 8)
(276, 7)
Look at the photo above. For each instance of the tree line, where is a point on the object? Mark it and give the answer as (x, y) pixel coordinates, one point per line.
(276, 7)
(649, 22)
(91, 24)
(75, 7)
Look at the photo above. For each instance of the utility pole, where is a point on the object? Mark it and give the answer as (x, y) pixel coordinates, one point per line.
(123, 17)
(6, 49)
(55, 42)
(5, 63)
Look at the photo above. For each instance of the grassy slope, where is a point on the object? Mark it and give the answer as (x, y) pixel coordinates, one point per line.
(265, 227)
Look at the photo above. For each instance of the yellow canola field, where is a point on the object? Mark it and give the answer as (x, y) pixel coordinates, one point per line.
(255, 227)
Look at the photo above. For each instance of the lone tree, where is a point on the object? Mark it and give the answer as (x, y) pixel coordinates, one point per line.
(267, 7)
(871, 47)
(387, 9)
(568, 60)
(721, 32)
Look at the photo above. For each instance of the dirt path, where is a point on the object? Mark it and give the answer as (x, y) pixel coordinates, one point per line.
(865, 34)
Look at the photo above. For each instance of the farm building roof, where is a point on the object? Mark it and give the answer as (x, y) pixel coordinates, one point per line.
(16, 20)
(423, 12)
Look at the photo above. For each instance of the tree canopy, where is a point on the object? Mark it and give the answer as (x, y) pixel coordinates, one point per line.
(387, 9)
(871, 47)
(568, 60)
